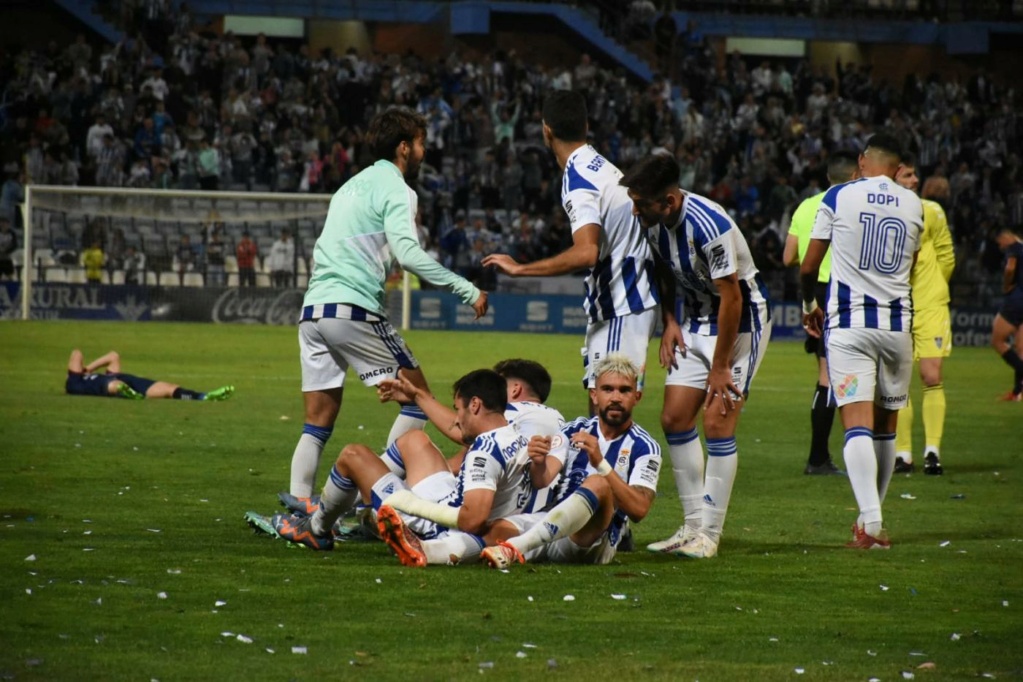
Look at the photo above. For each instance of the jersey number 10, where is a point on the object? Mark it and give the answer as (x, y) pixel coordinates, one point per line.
(884, 243)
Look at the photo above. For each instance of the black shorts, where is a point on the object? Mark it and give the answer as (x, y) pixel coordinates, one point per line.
(812, 345)
(1012, 309)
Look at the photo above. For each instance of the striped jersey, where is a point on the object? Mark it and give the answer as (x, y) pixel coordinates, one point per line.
(496, 461)
(370, 223)
(706, 244)
(622, 281)
(874, 227)
(536, 419)
(635, 456)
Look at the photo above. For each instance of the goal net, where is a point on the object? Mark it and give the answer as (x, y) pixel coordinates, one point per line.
(201, 245)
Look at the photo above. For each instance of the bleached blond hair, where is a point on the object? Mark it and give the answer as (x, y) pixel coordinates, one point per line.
(617, 363)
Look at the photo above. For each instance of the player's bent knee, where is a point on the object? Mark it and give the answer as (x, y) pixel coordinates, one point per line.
(598, 485)
(351, 455)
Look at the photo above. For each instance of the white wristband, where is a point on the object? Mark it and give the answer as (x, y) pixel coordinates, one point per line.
(808, 308)
(604, 468)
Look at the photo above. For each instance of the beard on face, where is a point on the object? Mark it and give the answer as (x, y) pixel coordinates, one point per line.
(621, 416)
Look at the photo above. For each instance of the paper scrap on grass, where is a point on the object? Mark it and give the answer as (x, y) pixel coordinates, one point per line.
(946, 543)
(907, 496)
(907, 675)
(884, 588)
(161, 595)
(269, 650)
(30, 557)
(299, 650)
(527, 645)
(220, 603)
(486, 665)
(800, 671)
(174, 571)
(244, 639)
(955, 637)
(569, 597)
(225, 633)
(1005, 602)
(929, 665)
(520, 654)
(618, 597)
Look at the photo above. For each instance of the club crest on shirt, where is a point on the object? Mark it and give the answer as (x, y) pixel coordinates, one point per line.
(847, 386)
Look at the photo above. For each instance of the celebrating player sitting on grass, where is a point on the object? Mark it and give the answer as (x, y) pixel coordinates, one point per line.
(493, 482)
(610, 477)
(113, 383)
(591, 501)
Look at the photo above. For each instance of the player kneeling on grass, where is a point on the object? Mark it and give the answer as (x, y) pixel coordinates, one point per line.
(493, 482)
(113, 383)
(610, 477)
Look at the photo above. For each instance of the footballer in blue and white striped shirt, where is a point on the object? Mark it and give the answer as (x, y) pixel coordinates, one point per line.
(621, 297)
(873, 227)
(712, 345)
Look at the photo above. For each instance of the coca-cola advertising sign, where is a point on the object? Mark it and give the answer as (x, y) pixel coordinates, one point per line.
(258, 306)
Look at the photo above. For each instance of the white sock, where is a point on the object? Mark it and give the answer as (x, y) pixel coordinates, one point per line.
(339, 495)
(906, 457)
(722, 462)
(453, 548)
(565, 518)
(410, 418)
(394, 461)
(686, 453)
(861, 464)
(306, 459)
(884, 451)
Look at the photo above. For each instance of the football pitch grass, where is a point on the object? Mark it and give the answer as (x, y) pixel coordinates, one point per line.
(123, 553)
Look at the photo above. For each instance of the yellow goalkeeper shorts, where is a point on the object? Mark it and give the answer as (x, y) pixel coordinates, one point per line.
(932, 333)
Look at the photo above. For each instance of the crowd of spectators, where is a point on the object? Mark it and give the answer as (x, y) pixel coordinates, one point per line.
(178, 106)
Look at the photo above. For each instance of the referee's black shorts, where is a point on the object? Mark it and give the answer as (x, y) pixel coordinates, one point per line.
(812, 345)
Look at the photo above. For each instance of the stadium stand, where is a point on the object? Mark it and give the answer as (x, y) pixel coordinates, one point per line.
(180, 104)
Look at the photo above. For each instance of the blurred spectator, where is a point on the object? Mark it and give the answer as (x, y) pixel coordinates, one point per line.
(246, 252)
(185, 256)
(215, 262)
(281, 261)
(134, 266)
(8, 245)
(93, 260)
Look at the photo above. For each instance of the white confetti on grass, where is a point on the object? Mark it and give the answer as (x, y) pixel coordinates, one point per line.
(884, 588)
(528, 645)
(520, 654)
(244, 639)
(800, 671)
(161, 595)
(955, 637)
(270, 651)
(946, 543)
(30, 557)
(219, 603)
(227, 633)
(618, 597)
(907, 675)
(569, 597)
(299, 650)
(907, 496)
(174, 571)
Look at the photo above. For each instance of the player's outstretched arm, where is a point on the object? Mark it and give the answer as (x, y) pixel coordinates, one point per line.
(404, 391)
(582, 254)
(112, 361)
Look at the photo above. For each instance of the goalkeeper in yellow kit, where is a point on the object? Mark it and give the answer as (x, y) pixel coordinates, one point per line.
(932, 324)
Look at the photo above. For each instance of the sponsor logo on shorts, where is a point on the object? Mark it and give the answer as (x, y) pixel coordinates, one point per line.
(847, 386)
(937, 342)
(376, 372)
(893, 398)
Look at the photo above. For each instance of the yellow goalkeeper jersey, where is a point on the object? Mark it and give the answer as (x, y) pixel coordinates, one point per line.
(935, 261)
(802, 225)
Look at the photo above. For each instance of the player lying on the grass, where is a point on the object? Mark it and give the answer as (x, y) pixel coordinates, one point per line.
(529, 384)
(592, 503)
(494, 482)
(113, 383)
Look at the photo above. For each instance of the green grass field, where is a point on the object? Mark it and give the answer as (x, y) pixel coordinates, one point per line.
(122, 530)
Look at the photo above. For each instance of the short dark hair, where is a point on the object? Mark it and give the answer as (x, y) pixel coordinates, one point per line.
(564, 112)
(885, 142)
(485, 384)
(908, 160)
(841, 167)
(390, 128)
(529, 372)
(652, 175)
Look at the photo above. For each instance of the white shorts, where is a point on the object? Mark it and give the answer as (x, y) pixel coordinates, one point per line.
(629, 334)
(329, 346)
(440, 487)
(563, 550)
(694, 367)
(870, 365)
